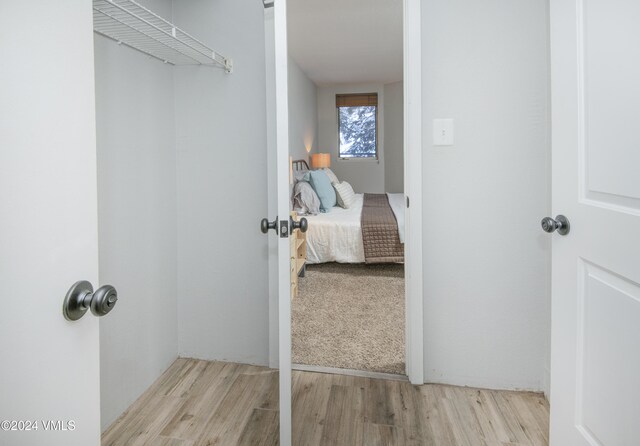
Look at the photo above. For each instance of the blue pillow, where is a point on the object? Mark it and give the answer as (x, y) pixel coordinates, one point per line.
(323, 187)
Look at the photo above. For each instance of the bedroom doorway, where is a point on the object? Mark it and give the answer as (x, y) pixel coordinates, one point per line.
(348, 307)
(346, 138)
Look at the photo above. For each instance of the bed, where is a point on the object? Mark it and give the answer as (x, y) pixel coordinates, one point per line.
(371, 231)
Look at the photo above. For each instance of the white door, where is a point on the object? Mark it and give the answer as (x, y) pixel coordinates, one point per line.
(284, 248)
(595, 364)
(49, 372)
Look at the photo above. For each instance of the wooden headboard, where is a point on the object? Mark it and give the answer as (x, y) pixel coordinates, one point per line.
(300, 165)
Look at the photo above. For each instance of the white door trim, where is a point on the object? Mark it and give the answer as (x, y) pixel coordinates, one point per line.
(414, 314)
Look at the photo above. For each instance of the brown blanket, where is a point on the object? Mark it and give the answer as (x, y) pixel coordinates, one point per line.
(380, 231)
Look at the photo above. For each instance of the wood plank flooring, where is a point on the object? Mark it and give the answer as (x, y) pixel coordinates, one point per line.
(202, 403)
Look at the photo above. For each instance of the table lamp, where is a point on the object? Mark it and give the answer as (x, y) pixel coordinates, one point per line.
(320, 160)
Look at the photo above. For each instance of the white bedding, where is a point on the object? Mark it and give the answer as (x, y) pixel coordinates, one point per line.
(336, 236)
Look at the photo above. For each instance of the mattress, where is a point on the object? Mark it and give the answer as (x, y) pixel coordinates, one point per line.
(336, 236)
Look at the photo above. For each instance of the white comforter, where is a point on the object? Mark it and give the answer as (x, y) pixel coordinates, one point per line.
(336, 236)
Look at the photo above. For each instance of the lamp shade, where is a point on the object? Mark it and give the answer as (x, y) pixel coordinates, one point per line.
(320, 160)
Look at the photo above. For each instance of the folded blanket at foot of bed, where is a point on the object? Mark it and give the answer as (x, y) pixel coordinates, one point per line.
(380, 231)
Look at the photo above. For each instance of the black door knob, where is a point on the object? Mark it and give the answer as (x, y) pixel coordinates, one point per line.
(303, 225)
(265, 225)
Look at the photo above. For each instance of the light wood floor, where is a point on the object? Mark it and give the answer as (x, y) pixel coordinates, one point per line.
(213, 403)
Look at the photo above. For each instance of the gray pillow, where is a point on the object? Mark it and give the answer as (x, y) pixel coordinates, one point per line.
(300, 175)
(305, 199)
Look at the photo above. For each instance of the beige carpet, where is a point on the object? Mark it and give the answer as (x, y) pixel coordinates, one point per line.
(350, 316)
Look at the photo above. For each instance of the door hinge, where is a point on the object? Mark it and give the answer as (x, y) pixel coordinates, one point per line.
(284, 228)
(407, 201)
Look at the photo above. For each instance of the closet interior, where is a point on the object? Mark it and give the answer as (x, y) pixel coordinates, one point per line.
(181, 153)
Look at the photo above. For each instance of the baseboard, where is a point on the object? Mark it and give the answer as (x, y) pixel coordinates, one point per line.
(349, 372)
(484, 382)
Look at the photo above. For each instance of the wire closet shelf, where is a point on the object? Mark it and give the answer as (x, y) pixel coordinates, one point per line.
(131, 24)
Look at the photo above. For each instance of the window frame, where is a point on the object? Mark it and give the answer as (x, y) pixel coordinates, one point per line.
(375, 158)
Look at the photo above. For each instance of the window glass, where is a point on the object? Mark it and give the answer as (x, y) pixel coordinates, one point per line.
(358, 131)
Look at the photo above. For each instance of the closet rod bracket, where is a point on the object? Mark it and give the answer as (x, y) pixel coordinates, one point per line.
(228, 65)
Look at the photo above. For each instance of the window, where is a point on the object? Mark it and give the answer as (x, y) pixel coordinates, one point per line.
(357, 125)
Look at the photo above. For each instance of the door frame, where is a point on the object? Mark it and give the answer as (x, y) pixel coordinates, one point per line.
(412, 84)
(412, 103)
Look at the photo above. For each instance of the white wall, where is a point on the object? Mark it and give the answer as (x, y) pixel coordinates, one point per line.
(137, 219)
(222, 186)
(394, 137)
(303, 113)
(486, 261)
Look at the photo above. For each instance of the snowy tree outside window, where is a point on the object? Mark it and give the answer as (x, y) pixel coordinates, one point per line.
(358, 121)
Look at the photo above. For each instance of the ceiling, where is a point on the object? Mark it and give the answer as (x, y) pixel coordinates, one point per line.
(346, 41)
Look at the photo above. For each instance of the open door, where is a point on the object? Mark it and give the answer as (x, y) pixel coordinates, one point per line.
(595, 363)
(49, 380)
(284, 210)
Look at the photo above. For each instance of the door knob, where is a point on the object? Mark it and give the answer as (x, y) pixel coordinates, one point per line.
(303, 225)
(561, 224)
(81, 298)
(265, 225)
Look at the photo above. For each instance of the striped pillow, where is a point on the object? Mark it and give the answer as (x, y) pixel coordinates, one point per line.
(332, 176)
(345, 195)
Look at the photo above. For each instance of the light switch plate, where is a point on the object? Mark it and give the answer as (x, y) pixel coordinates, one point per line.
(443, 132)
